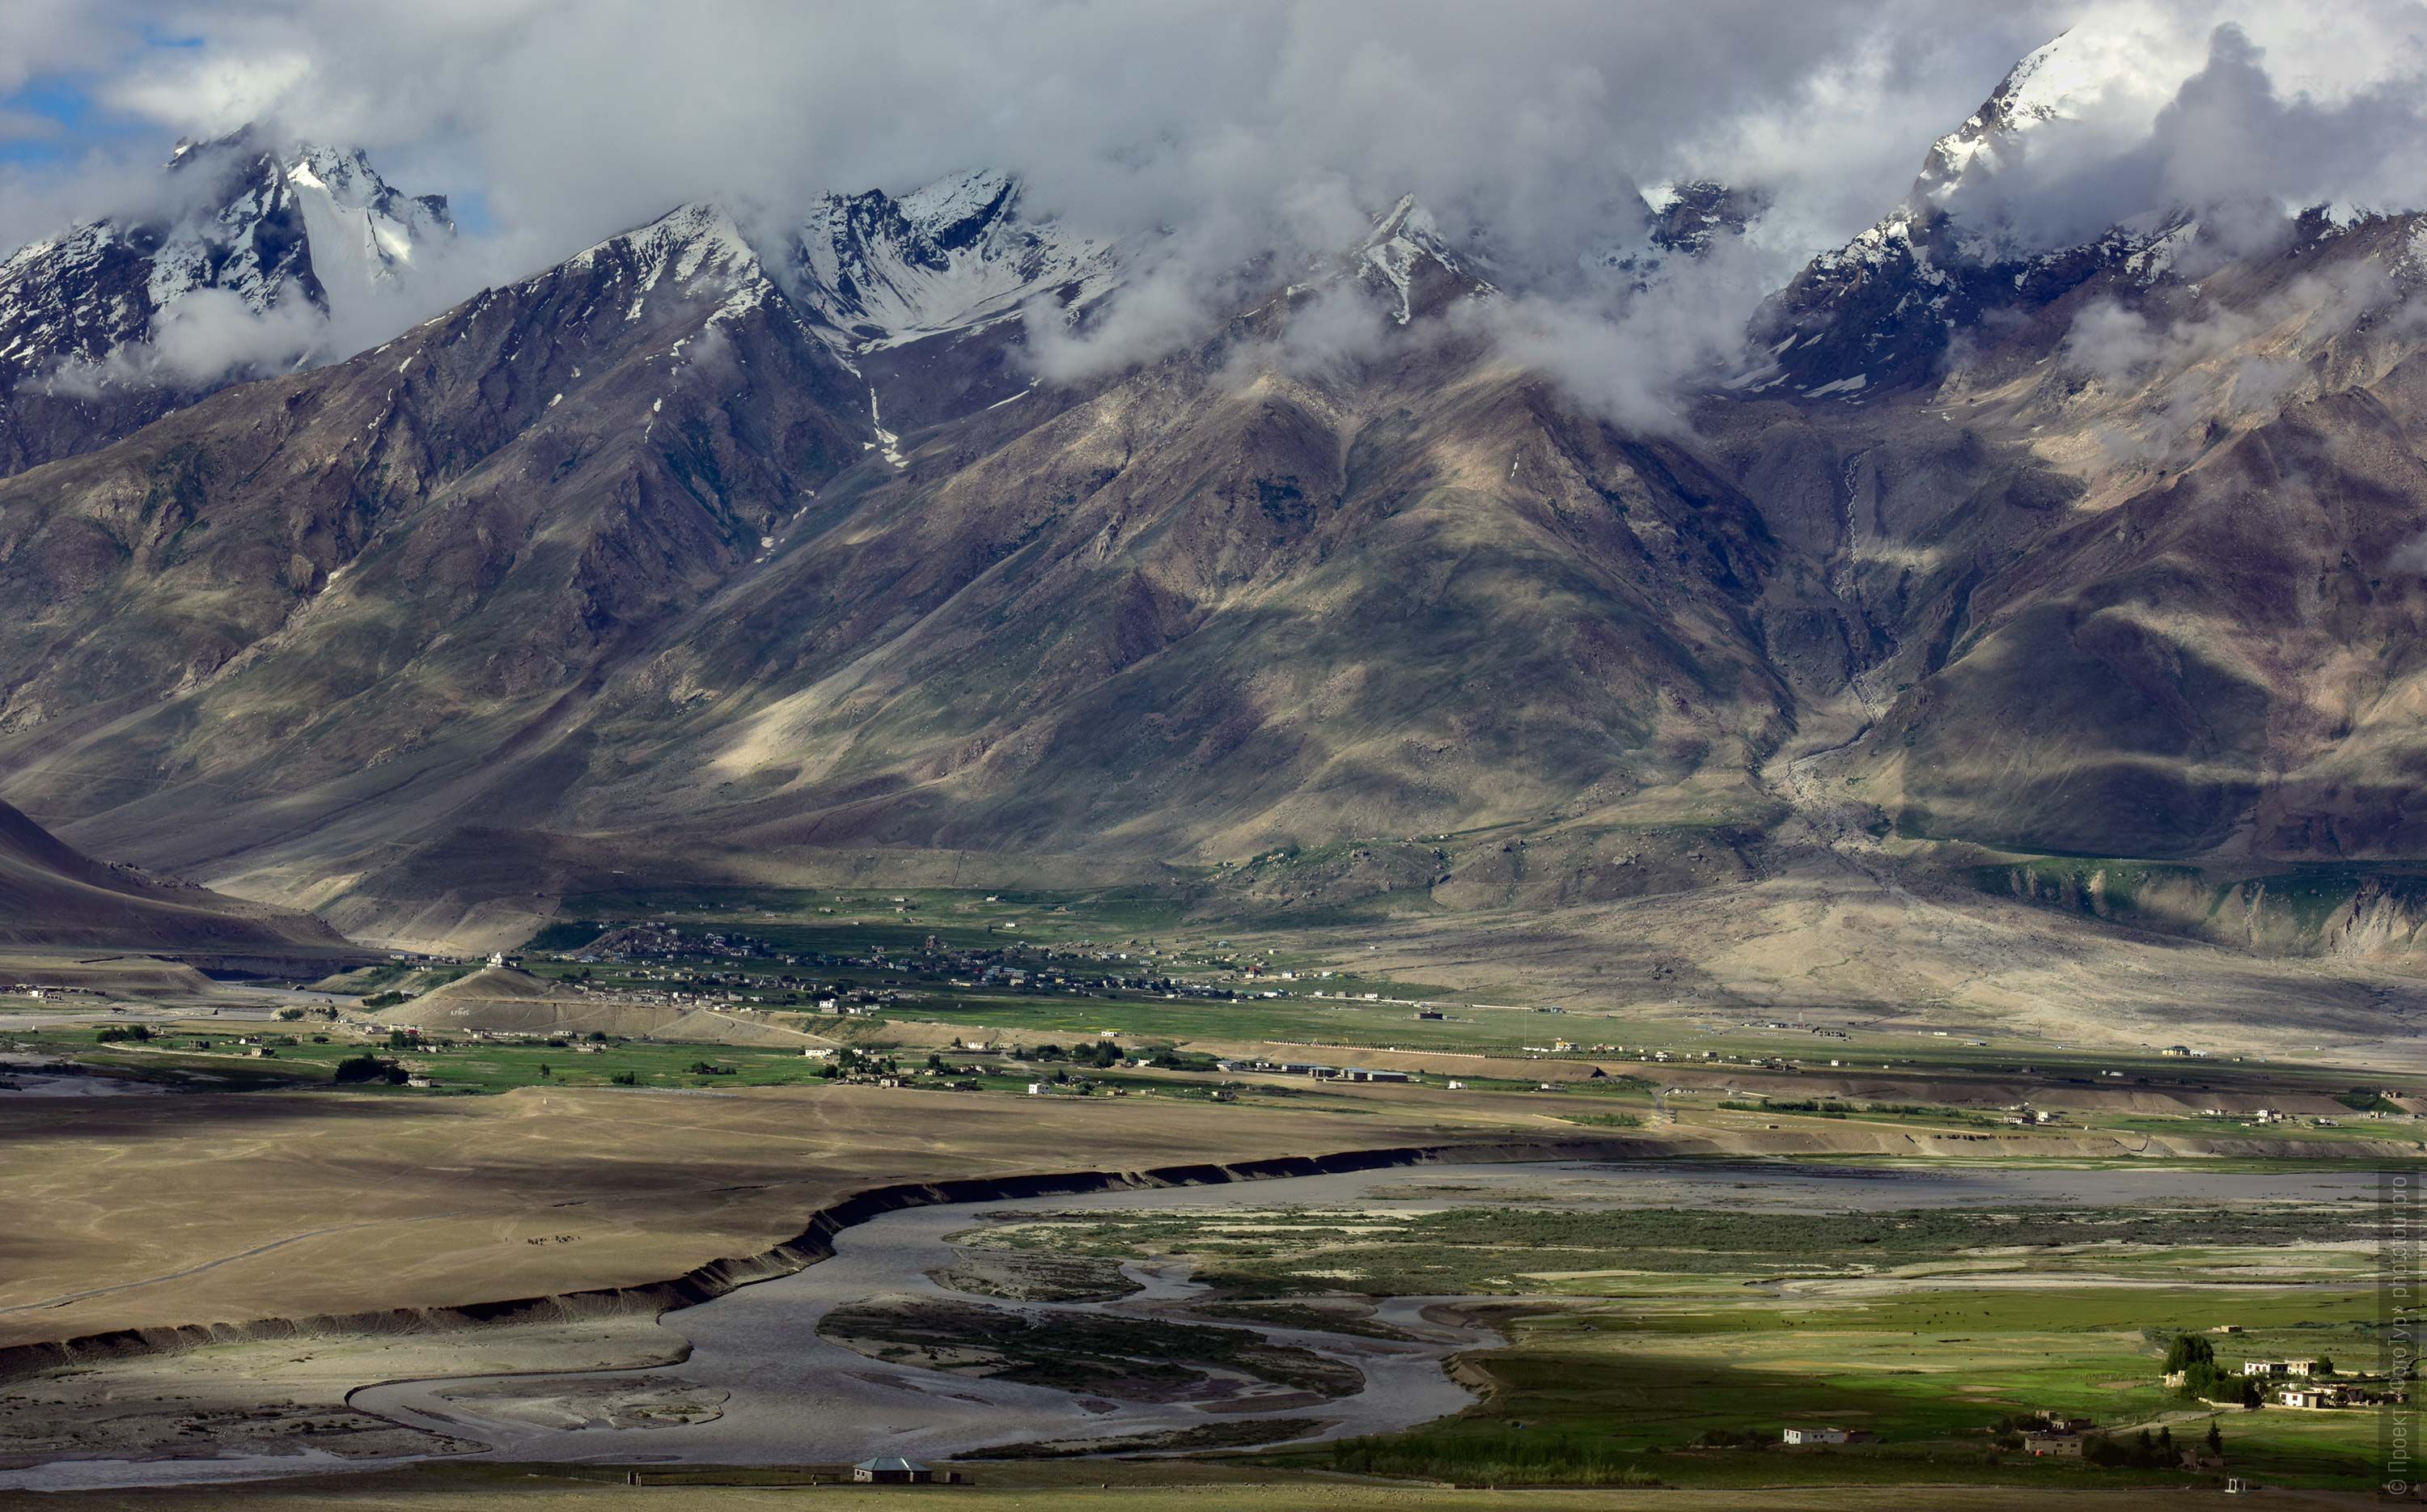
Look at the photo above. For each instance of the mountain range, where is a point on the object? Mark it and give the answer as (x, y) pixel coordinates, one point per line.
(2085, 577)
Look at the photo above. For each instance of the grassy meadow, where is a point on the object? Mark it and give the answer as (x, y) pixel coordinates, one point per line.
(1670, 1346)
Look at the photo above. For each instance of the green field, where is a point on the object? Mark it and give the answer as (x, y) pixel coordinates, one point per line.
(1282, 1020)
(1643, 1379)
(486, 1066)
(470, 1066)
(1670, 1346)
(843, 931)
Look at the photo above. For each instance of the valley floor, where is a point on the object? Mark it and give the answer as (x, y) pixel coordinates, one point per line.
(1912, 1223)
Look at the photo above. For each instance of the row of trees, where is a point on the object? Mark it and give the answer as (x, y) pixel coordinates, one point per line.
(1100, 1054)
(2147, 1451)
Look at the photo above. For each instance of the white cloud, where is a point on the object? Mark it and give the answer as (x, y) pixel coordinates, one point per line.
(204, 336)
(2232, 363)
(1223, 131)
(581, 116)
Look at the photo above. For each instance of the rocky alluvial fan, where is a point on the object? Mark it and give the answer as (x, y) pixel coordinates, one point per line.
(746, 553)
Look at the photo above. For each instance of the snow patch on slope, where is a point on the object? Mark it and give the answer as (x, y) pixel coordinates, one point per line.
(952, 256)
(1406, 250)
(693, 252)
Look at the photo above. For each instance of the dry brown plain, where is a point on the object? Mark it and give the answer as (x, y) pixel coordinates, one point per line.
(226, 1210)
(223, 1210)
(1839, 935)
(152, 1213)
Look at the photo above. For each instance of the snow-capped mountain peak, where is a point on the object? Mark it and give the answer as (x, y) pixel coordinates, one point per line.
(1407, 260)
(2105, 70)
(690, 240)
(248, 257)
(393, 225)
(236, 216)
(1880, 311)
(1689, 219)
(952, 255)
(2032, 93)
(959, 207)
(1403, 241)
(694, 251)
(316, 217)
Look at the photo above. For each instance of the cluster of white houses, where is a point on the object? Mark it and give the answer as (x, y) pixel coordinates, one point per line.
(2303, 1384)
(2319, 1394)
(2281, 1367)
(2304, 1387)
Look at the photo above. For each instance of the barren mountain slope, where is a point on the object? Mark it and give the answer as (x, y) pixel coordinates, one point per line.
(2192, 632)
(383, 574)
(1204, 607)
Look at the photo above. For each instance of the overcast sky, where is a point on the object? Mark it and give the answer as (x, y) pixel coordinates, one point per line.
(554, 123)
(557, 122)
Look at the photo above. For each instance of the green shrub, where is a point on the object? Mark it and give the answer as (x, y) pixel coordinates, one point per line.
(2144, 1450)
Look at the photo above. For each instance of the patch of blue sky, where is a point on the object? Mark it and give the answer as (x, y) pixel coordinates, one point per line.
(57, 118)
